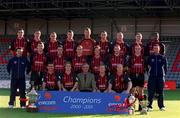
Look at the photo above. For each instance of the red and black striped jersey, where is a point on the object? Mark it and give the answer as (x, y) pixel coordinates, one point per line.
(102, 82)
(95, 63)
(124, 49)
(69, 48)
(68, 80)
(105, 48)
(38, 62)
(20, 43)
(119, 83)
(115, 60)
(132, 51)
(88, 45)
(50, 80)
(52, 49)
(78, 62)
(59, 64)
(34, 45)
(152, 43)
(137, 65)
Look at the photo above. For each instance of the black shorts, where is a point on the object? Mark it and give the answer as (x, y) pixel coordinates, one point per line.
(36, 78)
(137, 80)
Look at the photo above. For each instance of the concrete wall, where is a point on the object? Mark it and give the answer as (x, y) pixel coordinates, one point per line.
(129, 26)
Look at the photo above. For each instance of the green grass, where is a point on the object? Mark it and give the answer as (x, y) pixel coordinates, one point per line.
(172, 102)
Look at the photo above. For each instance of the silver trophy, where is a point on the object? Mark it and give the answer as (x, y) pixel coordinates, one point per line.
(33, 97)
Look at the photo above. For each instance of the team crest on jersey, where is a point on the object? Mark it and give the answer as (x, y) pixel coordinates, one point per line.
(152, 60)
(15, 62)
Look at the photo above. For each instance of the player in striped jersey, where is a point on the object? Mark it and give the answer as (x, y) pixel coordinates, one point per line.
(51, 46)
(155, 41)
(116, 58)
(35, 40)
(51, 80)
(96, 60)
(137, 69)
(69, 79)
(79, 59)
(102, 79)
(38, 63)
(104, 44)
(69, 46)
(119, 81)
(59, 60)
(20, 42)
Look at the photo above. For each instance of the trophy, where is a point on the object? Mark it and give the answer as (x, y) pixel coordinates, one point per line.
(131, 101)
(33, 96)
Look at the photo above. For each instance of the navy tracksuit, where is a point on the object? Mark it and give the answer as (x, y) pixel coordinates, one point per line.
(157, 65)
(17, 66)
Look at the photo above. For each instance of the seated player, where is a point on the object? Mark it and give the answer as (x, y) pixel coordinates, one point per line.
(102, 79)
(51, 80)
(68, 79)
(119, 82)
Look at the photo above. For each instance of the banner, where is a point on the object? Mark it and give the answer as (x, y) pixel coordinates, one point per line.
(82, 102)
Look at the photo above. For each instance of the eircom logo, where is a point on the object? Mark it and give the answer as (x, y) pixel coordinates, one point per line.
(47, 95)
(117, 98)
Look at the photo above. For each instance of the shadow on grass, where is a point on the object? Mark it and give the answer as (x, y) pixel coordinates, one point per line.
(21, 113)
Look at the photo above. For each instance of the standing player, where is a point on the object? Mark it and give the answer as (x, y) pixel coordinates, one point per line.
(20, 42)
(124, 47)
(35, 40)
(102, 79)
(51, 80)
(116, 58)
(51, 46)
(69, 79)
(155, 41)
(119, 82)
(69, 46)
(38, 62)
(78, 59)
(104, 45)
(87, 43)
(96, 60)
(138, 41)
(59, 60)
(157, 65)
(137, 69)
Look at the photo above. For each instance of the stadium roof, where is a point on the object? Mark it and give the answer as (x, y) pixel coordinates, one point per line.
(88, 8)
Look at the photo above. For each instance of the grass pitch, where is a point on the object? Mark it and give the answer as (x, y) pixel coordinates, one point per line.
(172, 103)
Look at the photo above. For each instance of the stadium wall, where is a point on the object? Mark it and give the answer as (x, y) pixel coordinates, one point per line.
(129, 26)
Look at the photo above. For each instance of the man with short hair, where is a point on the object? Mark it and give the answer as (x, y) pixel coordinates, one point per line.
(157, 68)
(17, 66)
(51, 79)
(86, 80)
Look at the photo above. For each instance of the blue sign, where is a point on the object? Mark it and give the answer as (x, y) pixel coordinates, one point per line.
(82, 102)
